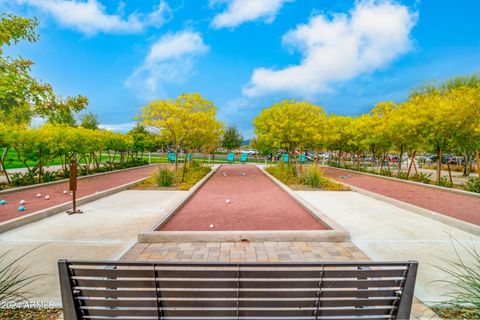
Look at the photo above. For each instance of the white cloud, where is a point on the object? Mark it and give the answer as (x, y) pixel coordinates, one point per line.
(240, 11)
(118, 127)
(89, 16)
(170, 60)
(338, 49)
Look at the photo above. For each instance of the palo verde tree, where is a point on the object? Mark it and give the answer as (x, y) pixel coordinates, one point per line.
(181, 120)
(290, 125)
(336, 136)
(231, 139)
(463, 95)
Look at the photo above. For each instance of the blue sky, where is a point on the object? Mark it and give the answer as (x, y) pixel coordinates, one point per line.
(245, 55)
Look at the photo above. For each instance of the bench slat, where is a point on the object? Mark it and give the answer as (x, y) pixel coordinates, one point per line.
(142, 273)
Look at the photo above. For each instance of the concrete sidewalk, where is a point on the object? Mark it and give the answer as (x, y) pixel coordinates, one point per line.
(106, 230)
(386, 232)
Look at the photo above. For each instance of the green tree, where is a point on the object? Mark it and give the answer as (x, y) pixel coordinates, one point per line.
(290, 125)
(182, 120)
(62, 111)
(231, 139)
(89, 121)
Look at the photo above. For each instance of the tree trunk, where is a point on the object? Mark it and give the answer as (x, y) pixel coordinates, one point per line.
(477, 157)
(439, 163)
(449, 172)
(400, 159)
(412, 160)
(2, 163)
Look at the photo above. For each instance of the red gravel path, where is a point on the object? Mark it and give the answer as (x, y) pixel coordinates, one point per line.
(455, 205)
(86, 186)
(257, 203)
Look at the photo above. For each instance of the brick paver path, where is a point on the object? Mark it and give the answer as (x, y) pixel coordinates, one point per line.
(86, 186)
(259, 252)
(245, 251)
(455, 205)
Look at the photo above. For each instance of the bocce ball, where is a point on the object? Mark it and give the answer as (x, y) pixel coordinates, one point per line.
(21, 208)
(3, 202)
(39, 195)
(22, 202)
(47, 197)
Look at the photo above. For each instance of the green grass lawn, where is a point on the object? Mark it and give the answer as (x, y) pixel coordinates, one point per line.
(12, 162)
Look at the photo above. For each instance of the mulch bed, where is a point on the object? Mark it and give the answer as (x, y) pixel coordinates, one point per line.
(30, 314)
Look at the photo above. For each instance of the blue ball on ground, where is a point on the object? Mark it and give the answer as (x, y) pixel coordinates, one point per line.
(21, 208)
(3, 202)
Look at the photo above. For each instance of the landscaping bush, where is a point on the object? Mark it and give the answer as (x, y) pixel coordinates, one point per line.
(165, 177)
(13, 280)
(444, 182)
(195, 171)
(401, 175)
(283, 172)
(386, 172)
(312, 177)
(422, 177)
(473, 185)
(463, 299)
(23, 179)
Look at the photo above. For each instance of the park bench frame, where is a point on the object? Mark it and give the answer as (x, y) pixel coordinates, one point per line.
(188, 290)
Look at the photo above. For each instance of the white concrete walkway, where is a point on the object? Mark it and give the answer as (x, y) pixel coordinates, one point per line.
(106, 230)
(386, 232)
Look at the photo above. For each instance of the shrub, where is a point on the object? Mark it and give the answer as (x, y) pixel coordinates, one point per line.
(444, 182)
(48, 176)
(165, 177)
(285, 173)
(311, 177)
(422, 177)
(401, 175)
(464, 281)
(13, 280)
(23, 179)
(473, 185)
(195, 171)
(386, 172)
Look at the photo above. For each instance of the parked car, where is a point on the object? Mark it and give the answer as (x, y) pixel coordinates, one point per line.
(251, 152)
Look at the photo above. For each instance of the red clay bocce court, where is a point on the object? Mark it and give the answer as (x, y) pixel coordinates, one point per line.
(256, 203)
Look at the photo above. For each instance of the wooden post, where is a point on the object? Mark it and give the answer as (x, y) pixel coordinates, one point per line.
(73, 186)
(477, 157)
(411, 162)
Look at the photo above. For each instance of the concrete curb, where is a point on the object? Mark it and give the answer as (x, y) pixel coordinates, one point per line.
(336, 234)
(250, 235)
(65, 180)
(456, 223)
(431, 186)
(45, 213)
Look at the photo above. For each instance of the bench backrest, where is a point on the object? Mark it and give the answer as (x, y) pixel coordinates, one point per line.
(118, 290)
(230, 157)
(171, 156)
(244, 157)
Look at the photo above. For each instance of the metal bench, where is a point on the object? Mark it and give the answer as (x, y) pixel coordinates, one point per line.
(147, 290)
